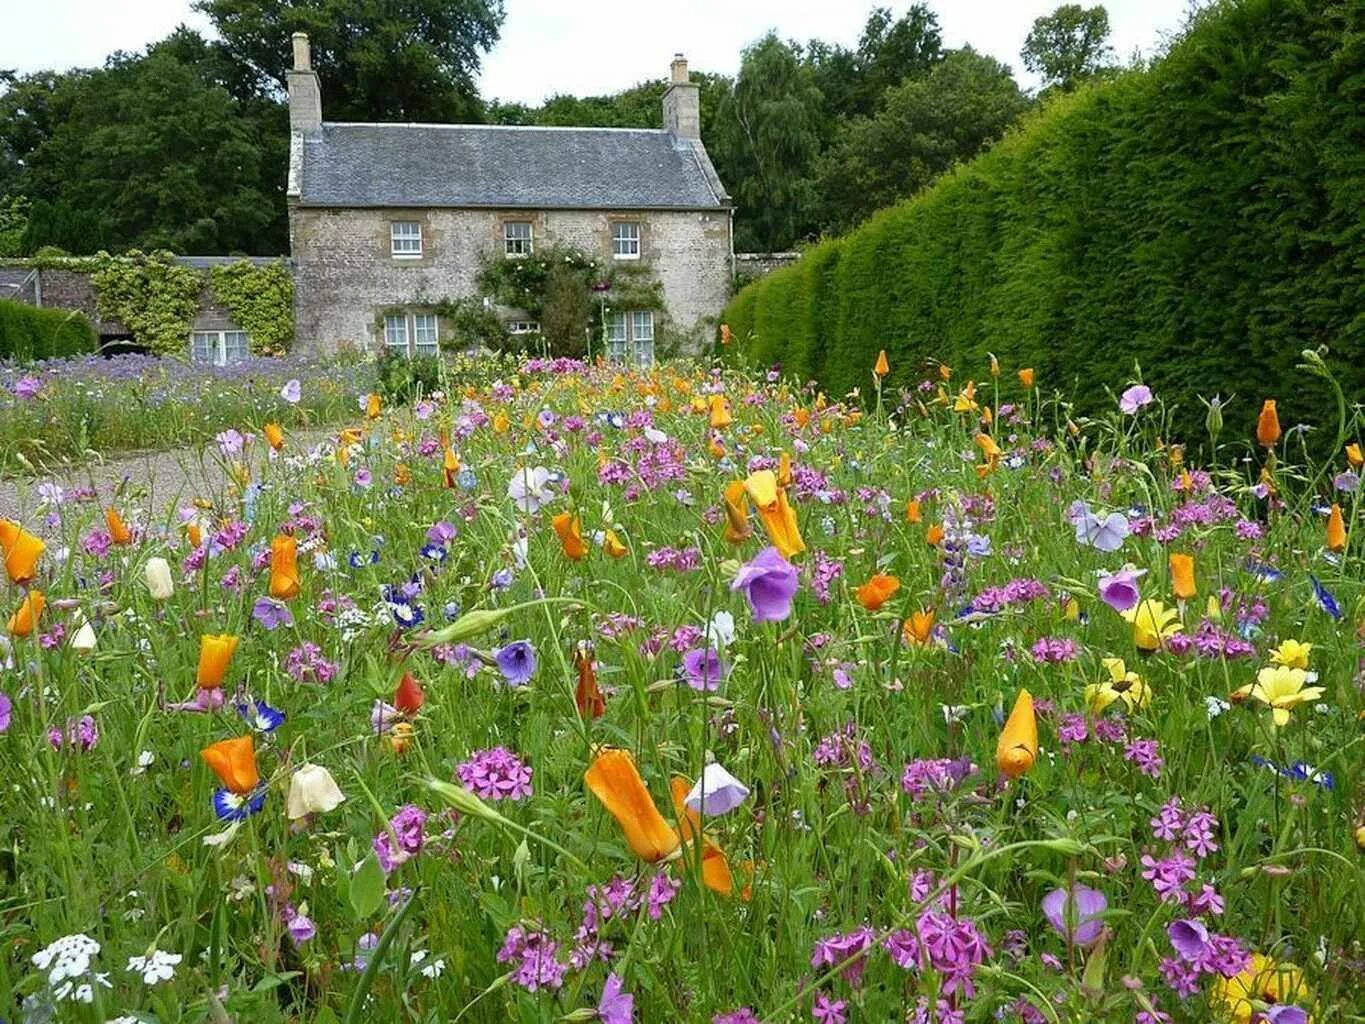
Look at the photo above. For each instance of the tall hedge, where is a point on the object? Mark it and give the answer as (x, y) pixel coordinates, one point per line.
(28, 333)
(1205, 217)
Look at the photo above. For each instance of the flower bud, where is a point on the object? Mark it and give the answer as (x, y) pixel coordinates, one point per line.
(157, 573)
(312, 790)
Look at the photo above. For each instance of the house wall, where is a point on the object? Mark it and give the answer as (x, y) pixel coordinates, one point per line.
(345, 276)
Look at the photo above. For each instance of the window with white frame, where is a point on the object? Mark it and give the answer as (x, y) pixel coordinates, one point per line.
(516, 237)
(642, 336)
(625, 240)
(616, 337)
(219, 347)
(412, 334)
(405, 238)
(523, 327)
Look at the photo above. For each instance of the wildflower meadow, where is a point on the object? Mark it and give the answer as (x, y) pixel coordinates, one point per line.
(568, 692)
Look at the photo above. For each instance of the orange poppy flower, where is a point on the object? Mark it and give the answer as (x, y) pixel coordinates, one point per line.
(721, 416)
(500, 422)
(737, 529)
(934, 535)
(945, 371)
(234, 762)
(372, 406)
(284, 567)
(118, 529)
(877, 591)
(1336, 529)
(802, 418)
(919, 627)
(450, 468)
(22, 551)
(402, 475)
(1355, 456)
(274, 435)
(25, 618)
(1268, 425)
(912, 512)
(1018, 746)
(612, 545)
(570, 532)
(1026, 376)
(784, 470)
(882, 367)
(408, 697)
(613, 779)
(587, 695)
(215, 655)
(777, 516)
(1182, 576)
(715, 869)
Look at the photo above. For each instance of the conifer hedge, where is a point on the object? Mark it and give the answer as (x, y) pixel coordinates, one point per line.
(28, 333)
(1205, 218)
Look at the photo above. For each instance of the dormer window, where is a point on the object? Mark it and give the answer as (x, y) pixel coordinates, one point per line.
(517, 238)
(625, 240)
(405, 238)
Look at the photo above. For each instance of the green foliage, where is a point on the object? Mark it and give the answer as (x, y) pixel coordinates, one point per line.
(1201, 219)
(1068, 45)
(14, 214)
(260, 300)
(471, 326)
(150, 294)
(403, 60)
(566, 314)
(28, 333)
(402, 380)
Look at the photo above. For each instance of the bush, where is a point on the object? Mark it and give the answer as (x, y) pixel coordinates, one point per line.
(402, 379)
(28, 333)
(1201, 219)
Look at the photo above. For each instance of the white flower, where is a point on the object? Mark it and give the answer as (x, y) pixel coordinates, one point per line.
(1215, 706)
(83, 640)
(156, 967)
(434, 969)
(530, 488)
(157, 573)
(716, 792)
(312, 790)
(720, 631)
(144, 761)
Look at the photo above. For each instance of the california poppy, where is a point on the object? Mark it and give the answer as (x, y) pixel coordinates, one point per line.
(500, 422)
(22, 551)
(234, 762)
(1026, 376)
(1018, 746)
(450, 468)
(1336, 529)
(934, 535)
(721, 416)
(587, 695)
(613, 545)
(25, 618)
(715, 869)
(912, 512)
(777, 516)
(737, 529)
(274, 435)
(784, 470)
(1182, 576)
(408, 697)
(1355, 456)
(919, 627)
(118, 529)
(372, 406)
(613, 779)
(877, 591)
(570, 532)
(284, 567)
(1268, 425)
(215, 655)
(882, 367)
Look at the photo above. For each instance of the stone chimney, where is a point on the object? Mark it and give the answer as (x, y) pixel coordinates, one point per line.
(682, 102)
(305, 92)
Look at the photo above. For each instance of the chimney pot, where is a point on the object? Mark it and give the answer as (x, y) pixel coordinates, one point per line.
(679, 68)
(303, 57)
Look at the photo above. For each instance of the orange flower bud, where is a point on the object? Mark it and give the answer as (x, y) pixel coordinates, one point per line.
(1336, 529)
(274, 435)
(25, 618)
(882, 368)
(1268, 425)
(570, 532)
(22, 551)
(234, 762)
(1182, 576)
(912, 512)
(1026, 376)
(284, 567)
(118, 529)
(1018, 746)
(215, 655)
(613, 779)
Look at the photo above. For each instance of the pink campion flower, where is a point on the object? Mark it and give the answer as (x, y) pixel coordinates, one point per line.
(1169, 874)
(1199, 831)
(496, 774)
(662, 889)
(1146, 755)
(829, 1011)
(408, 829)
(836, 949)
(1169, 821)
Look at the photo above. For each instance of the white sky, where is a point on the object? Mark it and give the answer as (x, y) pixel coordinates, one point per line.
(590, 47)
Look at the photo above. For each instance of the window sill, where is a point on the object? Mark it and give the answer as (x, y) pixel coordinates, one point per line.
(406, 256)
(617, 256)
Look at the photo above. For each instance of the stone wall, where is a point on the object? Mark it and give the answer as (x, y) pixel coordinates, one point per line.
(345, 276)
(751, 265)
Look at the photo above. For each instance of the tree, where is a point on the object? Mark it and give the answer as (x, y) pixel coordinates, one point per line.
(401, 60)
(766, 144)
(1068, 45)
(889, 51)
(921, 129)
(151, 151)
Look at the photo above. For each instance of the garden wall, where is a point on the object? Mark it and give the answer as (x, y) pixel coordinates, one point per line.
(1203, 218)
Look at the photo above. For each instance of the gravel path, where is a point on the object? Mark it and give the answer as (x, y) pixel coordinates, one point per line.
(160, 479)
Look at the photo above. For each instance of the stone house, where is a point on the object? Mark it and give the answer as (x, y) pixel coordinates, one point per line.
(388, 220)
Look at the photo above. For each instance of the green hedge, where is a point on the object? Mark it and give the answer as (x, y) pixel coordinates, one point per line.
(28, 333)
(1203, 218)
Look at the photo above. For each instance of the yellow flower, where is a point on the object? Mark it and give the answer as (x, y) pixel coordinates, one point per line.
(1265, 981)
(1123, 685)
(1017, 748)
(1281, 689)
(1292, 654)
(1153, 623)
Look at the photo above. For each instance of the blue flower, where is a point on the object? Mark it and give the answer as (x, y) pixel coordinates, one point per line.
(1326, 601)
(261, 716)
(359, 561)
(230, 806)
(405, 614)
(516, 662)
(452, 610)
(1265, 572)
(465, 479)
(435, 552)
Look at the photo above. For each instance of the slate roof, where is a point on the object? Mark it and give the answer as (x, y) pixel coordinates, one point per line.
(499, 166)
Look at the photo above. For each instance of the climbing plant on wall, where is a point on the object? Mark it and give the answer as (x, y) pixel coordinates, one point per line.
(260, 300)
(150, 294)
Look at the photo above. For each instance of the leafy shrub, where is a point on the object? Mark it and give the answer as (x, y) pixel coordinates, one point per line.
(1201, 219)
(402, 379)
(28, 333)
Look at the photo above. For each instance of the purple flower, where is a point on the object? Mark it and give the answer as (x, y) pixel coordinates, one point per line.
(1135, 398)
(703, 669)
(6, 711)
(1286, 1015)
(716, 792)
(516, 662)
(441, 533)
(829, 1011)
(1083, 907)
(1120, 590)
(408, 827)
(769, 583)
(271, 614)
(292, 391)
(230, 442)
(27, 387)
(496, 774)
(616, 1005)
(1189, 938)
(301, 928)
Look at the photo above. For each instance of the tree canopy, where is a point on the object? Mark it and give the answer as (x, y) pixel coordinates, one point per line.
(1068, 45)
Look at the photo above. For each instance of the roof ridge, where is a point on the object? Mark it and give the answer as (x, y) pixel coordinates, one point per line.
(493, 127)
